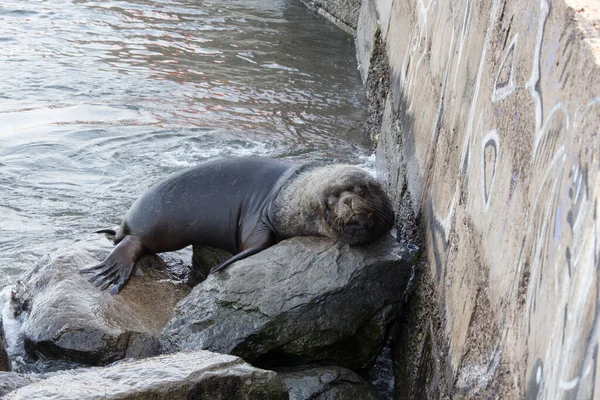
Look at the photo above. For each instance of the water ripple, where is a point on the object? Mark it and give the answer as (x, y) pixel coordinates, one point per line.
(98, 100)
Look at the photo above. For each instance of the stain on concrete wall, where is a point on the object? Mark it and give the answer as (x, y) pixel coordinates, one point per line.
(492, 123)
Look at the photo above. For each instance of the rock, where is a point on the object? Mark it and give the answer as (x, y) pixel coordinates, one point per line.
(65, 317)
(327, 383)
(190, 375)
(304, 300)
(10, 381)
(203, 259)
(4, 360)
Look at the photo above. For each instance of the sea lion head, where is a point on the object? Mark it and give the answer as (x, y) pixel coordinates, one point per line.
(339, 201)
(353, 205)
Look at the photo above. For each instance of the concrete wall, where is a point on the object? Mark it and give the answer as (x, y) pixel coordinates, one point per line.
(491, 130)
(343, 13)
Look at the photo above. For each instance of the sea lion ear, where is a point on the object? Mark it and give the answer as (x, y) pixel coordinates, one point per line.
(331, 200)
(321, 206)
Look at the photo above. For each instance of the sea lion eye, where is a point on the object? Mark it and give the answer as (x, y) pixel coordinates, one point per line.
(331, 200)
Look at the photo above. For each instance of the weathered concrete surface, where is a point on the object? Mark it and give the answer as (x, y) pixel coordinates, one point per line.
(491, 127)
(65, 317)
(191, 375)
(343, 13)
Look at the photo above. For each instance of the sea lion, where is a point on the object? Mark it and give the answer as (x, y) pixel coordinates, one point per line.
(243, 206)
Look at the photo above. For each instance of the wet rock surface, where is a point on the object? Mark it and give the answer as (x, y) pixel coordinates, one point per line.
(327, 383)
(189, 375)
(4, 359)
(10, 381)
(64, 317)
(305, 300)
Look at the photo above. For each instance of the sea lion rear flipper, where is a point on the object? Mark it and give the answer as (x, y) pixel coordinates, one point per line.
(261, 240)
(117, 267)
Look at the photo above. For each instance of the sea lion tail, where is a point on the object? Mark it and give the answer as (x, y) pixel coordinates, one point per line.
(113, 235)
(110, 232)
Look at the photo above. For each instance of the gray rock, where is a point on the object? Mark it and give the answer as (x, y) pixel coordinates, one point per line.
(203, 259)
(327, 383)
(10, 381)
(65, 317)
(191, 375)
(304, 300)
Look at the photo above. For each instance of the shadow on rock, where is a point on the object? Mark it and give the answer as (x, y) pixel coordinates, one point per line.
(326, 383)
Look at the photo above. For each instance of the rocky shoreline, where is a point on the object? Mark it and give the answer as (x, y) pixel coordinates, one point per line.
(315, 311)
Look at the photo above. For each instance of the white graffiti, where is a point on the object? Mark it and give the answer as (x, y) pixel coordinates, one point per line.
(552, 282)
(502, 91)
(491, 140)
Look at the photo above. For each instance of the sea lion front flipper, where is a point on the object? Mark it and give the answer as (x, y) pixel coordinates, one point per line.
(116, 268)
(263, 239)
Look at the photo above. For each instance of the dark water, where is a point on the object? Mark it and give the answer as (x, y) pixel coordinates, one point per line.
(100, 99)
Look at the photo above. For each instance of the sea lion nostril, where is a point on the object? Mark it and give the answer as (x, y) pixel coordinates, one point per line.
(347, 201)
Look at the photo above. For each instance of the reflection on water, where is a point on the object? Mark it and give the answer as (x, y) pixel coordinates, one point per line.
(100, 99)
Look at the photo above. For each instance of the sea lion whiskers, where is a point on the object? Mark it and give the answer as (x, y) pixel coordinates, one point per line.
(382, 215)
(337, 221)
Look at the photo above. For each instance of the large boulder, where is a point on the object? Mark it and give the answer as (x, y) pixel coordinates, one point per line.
(65, 317)
(327, 383)
(304, 300)
(191, 375)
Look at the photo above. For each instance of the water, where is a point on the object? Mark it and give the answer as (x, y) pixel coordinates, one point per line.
(100, 99)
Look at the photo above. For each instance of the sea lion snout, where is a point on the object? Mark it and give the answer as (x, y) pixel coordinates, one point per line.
(350, 207)
(359, 214)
